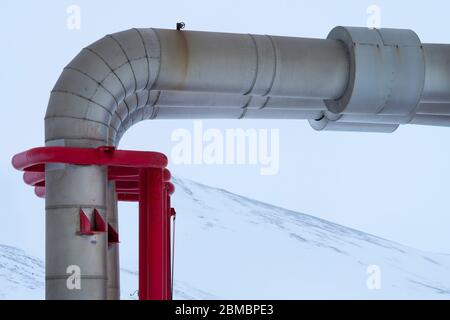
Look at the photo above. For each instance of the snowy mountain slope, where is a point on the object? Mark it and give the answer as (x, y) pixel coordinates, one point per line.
(21, 276)
(235, 247)
(232, 247)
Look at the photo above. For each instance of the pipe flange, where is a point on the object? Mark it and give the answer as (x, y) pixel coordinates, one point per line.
(387, 71)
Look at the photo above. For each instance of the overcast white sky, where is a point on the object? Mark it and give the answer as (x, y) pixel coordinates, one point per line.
(392, 185)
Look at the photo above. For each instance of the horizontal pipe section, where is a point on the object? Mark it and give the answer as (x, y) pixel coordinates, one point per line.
(143, 74)
(251, 64)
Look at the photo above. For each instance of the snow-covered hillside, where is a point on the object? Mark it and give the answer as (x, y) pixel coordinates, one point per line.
(232, 247)
(21, 276)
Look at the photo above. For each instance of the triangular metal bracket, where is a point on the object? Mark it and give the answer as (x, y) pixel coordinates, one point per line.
(99, 222)
(87, 227)
(113, 235)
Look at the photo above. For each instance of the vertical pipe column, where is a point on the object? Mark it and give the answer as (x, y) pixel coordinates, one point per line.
(113, 265)
(153, 246)
(75, 264)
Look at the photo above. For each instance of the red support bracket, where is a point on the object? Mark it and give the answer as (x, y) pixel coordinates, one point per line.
(139, 176)
(97, 225)
(113, 236)
(99, 222)
(85, 224)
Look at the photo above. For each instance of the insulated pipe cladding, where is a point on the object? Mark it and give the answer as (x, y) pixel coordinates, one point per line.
(357, 79)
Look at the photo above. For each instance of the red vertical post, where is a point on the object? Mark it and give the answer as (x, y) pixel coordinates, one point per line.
(143, 234)
(153, 272)
(168, 244)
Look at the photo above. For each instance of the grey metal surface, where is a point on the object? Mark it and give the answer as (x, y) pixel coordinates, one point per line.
(69, 188)
(112, 261)
(356, 80)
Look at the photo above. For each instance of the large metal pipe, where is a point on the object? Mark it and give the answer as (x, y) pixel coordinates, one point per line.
(109, 79)
(357, 79)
